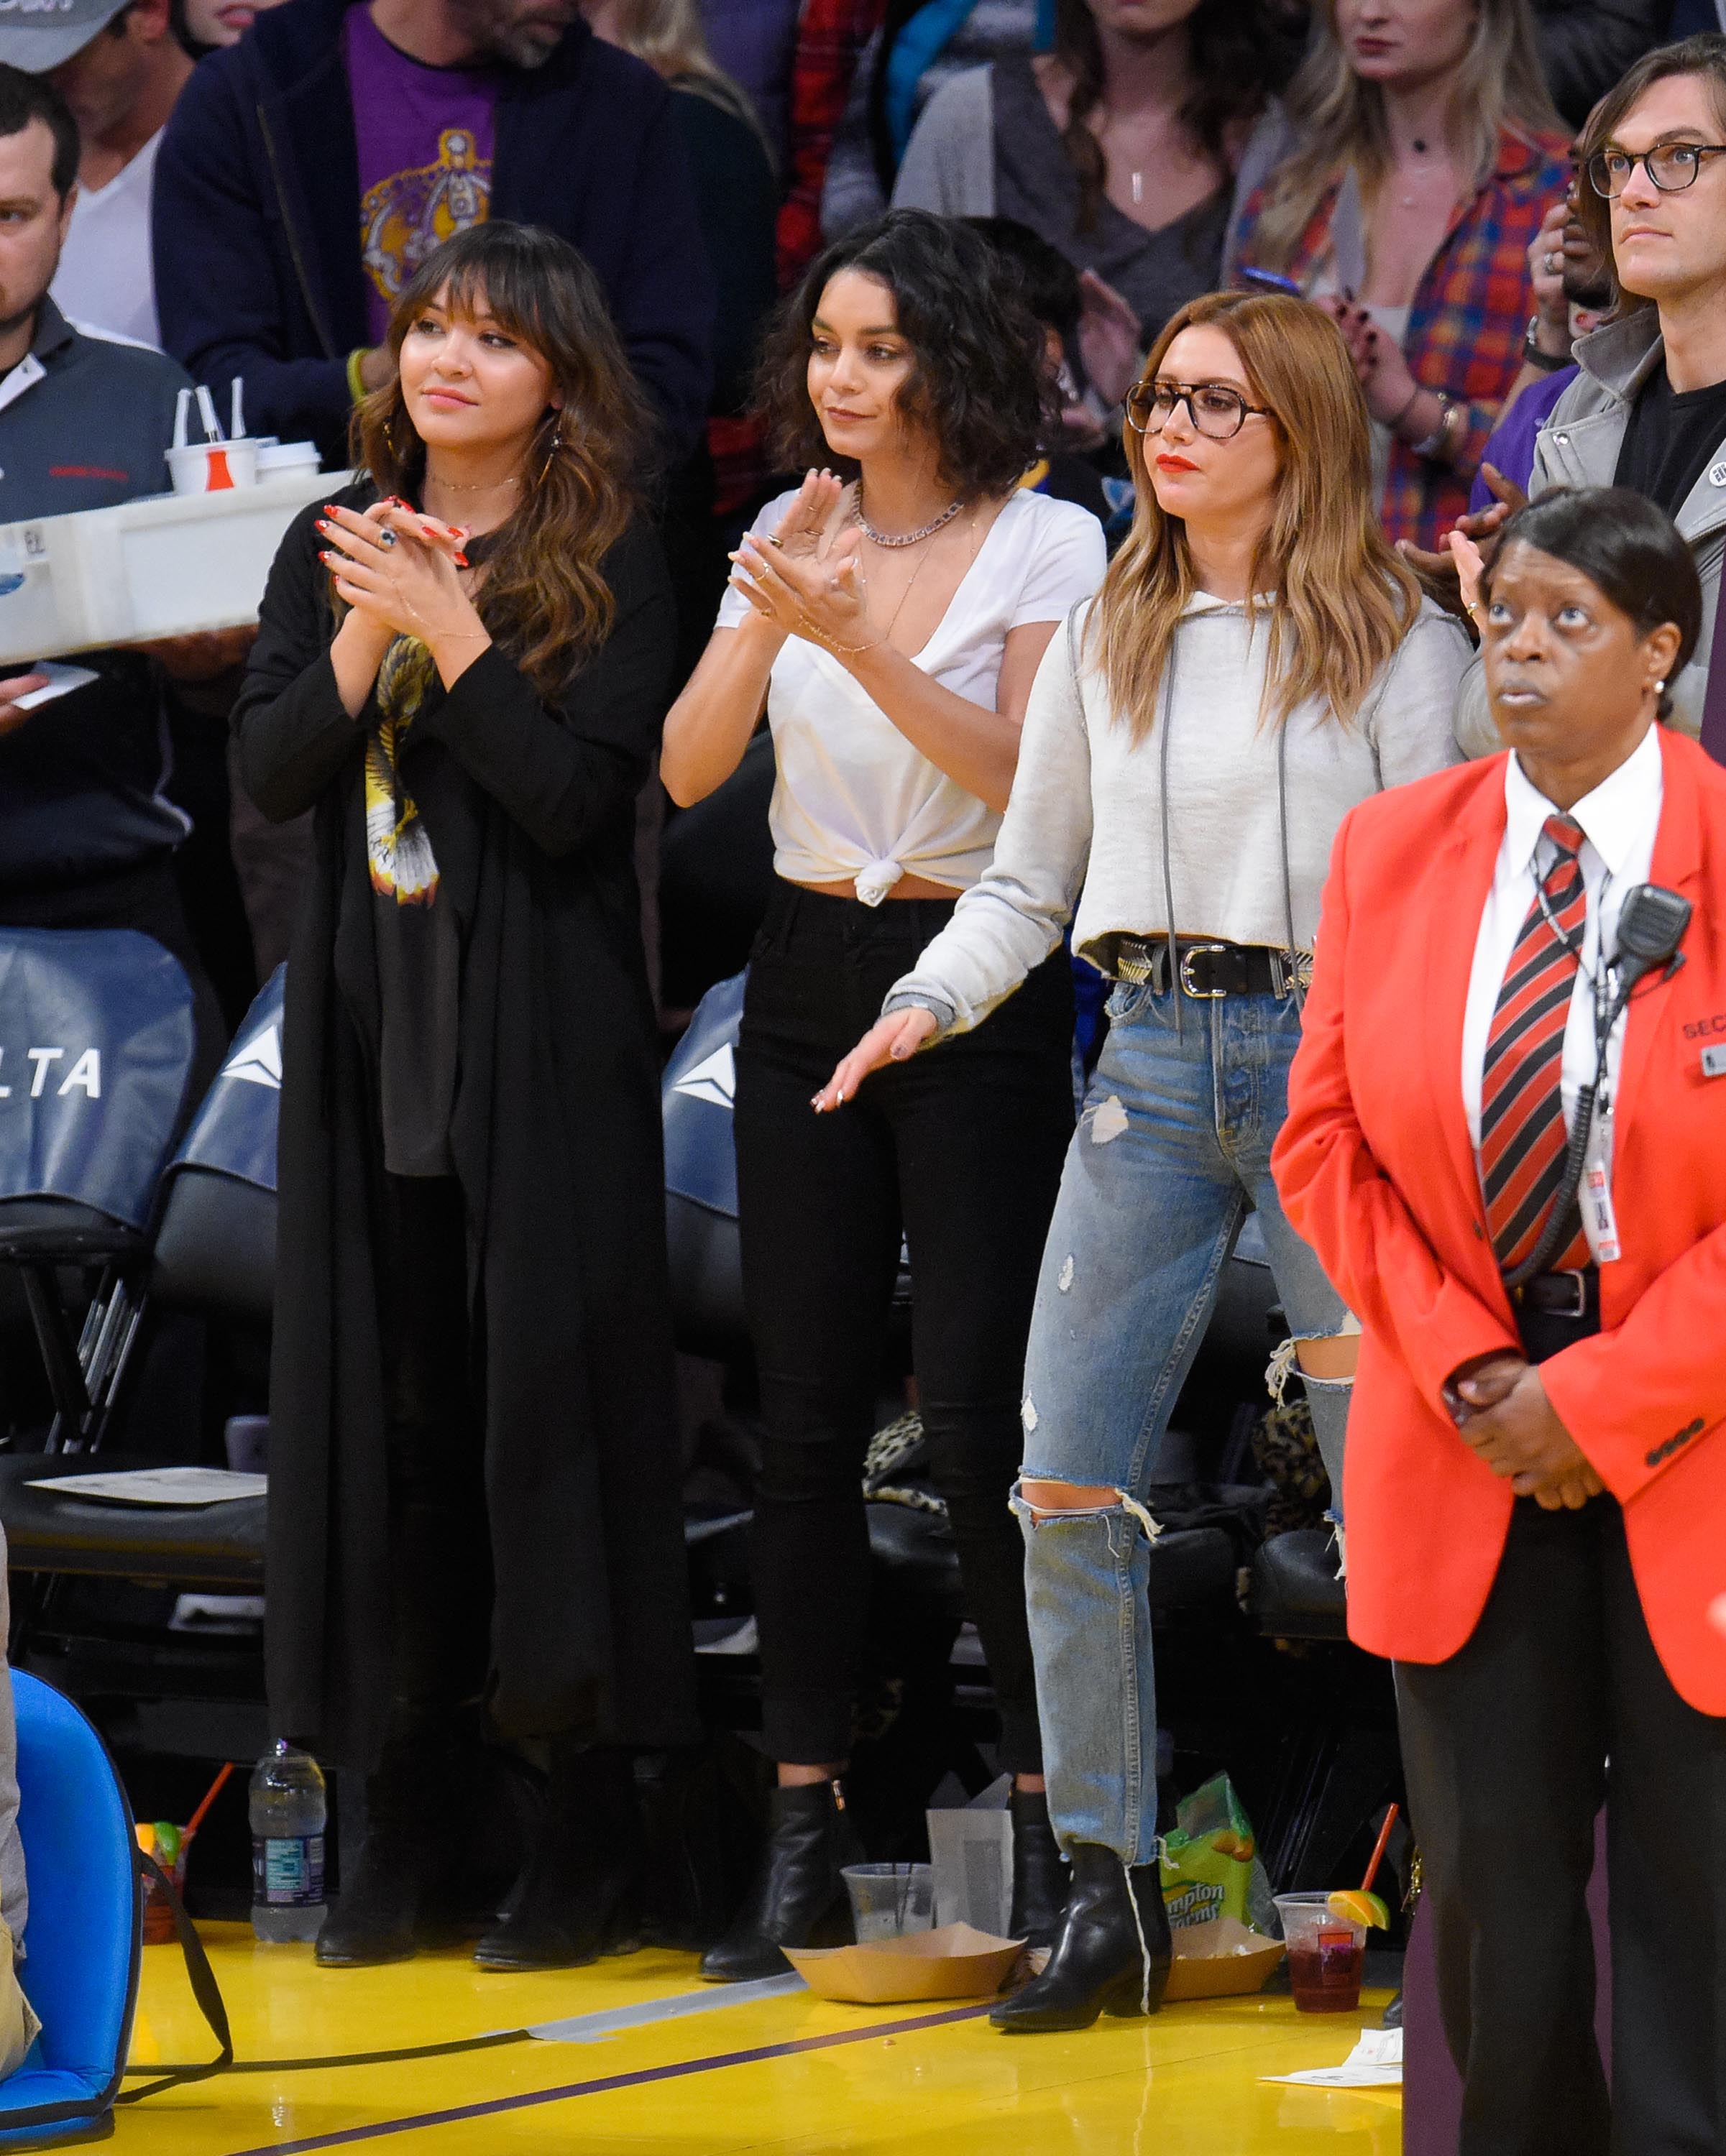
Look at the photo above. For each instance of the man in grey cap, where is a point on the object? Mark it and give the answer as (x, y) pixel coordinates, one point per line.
(120, 67)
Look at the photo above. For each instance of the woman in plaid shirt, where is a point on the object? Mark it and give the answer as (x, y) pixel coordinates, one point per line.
(1401, 188)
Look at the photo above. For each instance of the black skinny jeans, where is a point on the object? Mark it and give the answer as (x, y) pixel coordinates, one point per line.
(959, 1150)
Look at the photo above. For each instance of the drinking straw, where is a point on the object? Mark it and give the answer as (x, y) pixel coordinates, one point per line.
(210, 1796)
(1372, 1870)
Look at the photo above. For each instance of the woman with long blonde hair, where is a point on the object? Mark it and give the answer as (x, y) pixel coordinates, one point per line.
(460, 669)
(1401, 187)
(1256, 661)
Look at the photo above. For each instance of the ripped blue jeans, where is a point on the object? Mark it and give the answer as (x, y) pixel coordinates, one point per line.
(1172, 1147)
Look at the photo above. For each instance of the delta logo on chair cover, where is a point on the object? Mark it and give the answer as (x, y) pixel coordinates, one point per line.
(714, 1078)
(83, 1073)
(259, 1060)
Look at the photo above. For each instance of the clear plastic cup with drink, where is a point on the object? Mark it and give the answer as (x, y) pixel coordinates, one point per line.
(1327, 1955)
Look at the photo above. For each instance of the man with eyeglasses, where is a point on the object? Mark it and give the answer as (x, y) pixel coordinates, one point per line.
(1647, 409)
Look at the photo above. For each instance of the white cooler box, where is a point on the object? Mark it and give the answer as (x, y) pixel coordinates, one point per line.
(169, 565)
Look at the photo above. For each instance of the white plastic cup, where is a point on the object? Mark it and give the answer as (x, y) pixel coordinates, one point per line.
(275, 458)
(213, 467)
(889, 1900)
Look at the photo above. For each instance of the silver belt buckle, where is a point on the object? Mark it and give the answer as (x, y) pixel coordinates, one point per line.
(1199, 995)
(1579, 1282)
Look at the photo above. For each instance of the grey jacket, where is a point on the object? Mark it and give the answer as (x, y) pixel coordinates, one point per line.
(1578, 446)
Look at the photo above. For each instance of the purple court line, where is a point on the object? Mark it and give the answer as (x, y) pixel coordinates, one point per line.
(638, 2079)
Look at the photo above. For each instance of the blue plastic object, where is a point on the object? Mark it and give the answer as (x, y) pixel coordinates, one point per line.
(80, 1969)
(95, 1056)
(234, 1132)
(696, 1095)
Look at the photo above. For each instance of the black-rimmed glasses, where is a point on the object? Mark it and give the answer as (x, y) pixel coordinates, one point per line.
(1215, 409)
(1673, 167)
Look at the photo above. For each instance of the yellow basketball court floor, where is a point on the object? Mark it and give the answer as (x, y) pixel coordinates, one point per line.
(785, 2074)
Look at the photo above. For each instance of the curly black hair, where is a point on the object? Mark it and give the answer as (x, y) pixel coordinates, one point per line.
(981, 381)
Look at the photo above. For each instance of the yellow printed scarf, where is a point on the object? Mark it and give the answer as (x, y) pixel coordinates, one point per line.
(399, 847)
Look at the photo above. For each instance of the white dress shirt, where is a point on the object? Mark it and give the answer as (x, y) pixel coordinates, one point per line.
(1619, 820)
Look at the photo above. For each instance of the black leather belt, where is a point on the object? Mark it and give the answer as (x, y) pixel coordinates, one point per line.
(1561, 1295)
(1207, 970)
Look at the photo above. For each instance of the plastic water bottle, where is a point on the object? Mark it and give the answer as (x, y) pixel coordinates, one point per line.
(288, 1815)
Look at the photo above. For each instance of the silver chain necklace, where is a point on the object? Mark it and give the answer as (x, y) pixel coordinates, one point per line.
(907, 538)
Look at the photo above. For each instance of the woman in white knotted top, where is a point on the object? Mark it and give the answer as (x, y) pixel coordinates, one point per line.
(890, 618)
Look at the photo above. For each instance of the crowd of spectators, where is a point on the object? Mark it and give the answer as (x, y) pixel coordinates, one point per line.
(245, 187)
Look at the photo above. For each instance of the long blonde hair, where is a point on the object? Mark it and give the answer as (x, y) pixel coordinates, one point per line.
(1339, 119)
(668, 36)
(1343, 600)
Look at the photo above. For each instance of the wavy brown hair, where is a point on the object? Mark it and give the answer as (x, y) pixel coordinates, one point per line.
(1342, 600)
(1338, 117)
(979, 384)
(543, 595)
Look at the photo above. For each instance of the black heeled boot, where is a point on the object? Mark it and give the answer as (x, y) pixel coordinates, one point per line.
(575, 1900)
(809, 1837)
(1038, 1872)
(398, 1896)
(1112, 1954)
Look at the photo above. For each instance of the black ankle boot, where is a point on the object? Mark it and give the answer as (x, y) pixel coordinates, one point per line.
(1111, 1956)
(1039, 1873)
(575, 1900)
(798, 1883)
(399, 1895)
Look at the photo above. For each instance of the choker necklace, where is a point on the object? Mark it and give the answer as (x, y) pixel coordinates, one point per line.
(906, 538)
(477, 485)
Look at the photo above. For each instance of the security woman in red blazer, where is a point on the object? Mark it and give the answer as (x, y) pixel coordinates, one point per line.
(1536, 1489)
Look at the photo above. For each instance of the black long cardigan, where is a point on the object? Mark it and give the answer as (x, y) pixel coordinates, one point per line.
(557, 1145)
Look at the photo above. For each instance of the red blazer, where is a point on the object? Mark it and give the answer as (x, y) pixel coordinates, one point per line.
(1376, 1171)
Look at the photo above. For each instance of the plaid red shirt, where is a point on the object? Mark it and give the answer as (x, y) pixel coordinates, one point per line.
(1466, 325)
(829, 40)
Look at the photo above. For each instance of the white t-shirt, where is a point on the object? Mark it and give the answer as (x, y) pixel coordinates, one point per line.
(105, 280)
(854, 800)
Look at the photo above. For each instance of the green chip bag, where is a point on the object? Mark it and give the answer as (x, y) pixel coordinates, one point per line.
(1208, 1864)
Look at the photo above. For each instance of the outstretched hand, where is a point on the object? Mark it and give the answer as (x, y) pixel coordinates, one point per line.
(1438, 571)
(894, 1038)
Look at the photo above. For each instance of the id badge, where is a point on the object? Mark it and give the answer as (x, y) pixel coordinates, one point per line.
(1600, 1220)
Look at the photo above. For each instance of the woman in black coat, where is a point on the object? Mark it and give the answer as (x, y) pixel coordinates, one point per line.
(461, 667)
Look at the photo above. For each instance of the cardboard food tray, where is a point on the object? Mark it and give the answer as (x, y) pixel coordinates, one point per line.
(1220, 1960)
(168, 565)
(956, 1961)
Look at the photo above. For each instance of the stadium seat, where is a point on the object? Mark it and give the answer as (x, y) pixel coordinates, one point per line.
(95, 1056)
(81, 1970)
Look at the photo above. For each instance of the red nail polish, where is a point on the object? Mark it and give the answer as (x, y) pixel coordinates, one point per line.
(462, 561)
(329, 508)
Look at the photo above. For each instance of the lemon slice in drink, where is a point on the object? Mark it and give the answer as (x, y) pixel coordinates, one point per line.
(1352, 1907)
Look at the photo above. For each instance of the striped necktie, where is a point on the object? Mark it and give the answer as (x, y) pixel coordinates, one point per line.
(1522, 1140)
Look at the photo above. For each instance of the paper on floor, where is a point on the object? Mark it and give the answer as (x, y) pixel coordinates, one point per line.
(158, 1485)
(1376, 2063)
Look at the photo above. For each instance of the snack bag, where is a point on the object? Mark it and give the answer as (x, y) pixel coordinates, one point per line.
(1207, 1861)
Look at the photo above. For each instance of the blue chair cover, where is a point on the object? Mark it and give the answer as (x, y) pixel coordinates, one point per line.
(81, 1970)
(234, 1132)
(696, 1097)
(95, 1053)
